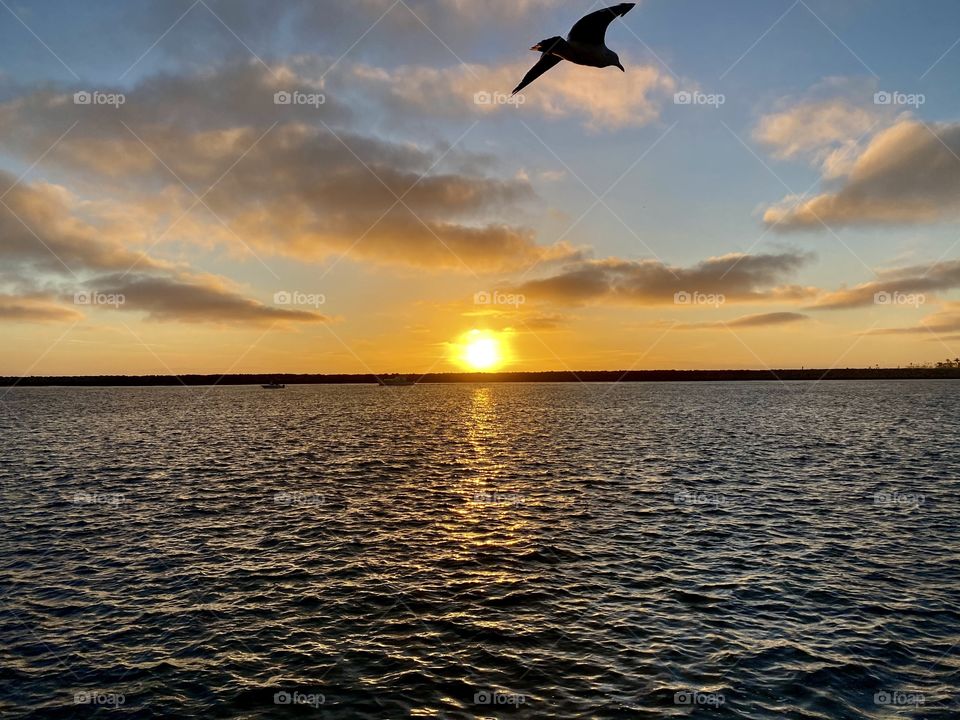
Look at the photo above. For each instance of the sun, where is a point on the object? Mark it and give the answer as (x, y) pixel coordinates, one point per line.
(483, 353)
(480, 350)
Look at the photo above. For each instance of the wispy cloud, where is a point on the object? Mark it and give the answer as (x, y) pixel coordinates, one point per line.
(937, 325)
(827, 127)
(760, 320)
(913, 280)
(736, 277)
(596, 99)
(35, 309)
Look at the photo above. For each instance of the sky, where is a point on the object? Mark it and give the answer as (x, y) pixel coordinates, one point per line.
(254, 186)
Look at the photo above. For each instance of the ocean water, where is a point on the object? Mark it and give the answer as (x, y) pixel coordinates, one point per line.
(742, 550)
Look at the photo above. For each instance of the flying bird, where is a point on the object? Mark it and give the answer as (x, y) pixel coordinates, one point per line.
(585, 45)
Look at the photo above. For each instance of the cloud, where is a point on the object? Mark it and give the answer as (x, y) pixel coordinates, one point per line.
(46, 243)
(281, 178)
(309, 194)
(748, 321)
(908, 173)
(940, 323)
(738, 277)
(471, 10)
(602, 100)
(913, 280)
(413, 26)
(763, 320)
(824, 132)
(308, 16)
(197, 299)
(543, 322)
(40, 230)
(207, 106)
(14, 308)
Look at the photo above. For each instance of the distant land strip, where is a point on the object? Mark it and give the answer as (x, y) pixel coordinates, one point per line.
(591, 376)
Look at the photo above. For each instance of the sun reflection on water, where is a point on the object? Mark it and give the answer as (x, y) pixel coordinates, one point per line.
(483, 521)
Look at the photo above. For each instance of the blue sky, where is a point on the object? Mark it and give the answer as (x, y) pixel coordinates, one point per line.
(515, 185)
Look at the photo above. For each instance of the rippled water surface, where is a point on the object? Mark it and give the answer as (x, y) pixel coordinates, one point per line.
(757, 550)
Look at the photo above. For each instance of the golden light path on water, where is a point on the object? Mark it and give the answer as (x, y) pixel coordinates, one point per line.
(483, 434)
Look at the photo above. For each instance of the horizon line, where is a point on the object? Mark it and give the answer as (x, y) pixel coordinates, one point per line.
(607, 376)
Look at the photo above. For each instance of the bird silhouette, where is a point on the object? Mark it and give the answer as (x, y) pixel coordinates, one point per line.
(584, 45)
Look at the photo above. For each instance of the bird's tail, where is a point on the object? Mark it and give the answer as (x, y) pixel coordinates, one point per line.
(548, 45)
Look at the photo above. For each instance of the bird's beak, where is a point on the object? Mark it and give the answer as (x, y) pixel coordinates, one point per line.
(621, 67)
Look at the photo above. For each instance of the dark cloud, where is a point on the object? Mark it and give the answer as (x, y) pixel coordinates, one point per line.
(738, 277)
(194, 300)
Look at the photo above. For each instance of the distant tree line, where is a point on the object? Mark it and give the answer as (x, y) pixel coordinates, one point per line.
(944, 370)
(947, 364)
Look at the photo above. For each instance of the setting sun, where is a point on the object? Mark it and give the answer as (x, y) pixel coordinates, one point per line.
(480, 350)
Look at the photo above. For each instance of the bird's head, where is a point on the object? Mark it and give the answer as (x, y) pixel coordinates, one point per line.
(615, 61)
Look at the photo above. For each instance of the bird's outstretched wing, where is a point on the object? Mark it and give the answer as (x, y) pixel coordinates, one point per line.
(592, 29)
(545, 62)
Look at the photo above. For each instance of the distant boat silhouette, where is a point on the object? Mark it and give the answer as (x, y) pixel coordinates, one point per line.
(274, 385)
(396, 381)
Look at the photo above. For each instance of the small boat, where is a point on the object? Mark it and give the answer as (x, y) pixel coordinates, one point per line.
(396, 381)
(274, 386)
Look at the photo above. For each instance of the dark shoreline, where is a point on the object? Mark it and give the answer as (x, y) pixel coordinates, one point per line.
(811, 375)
